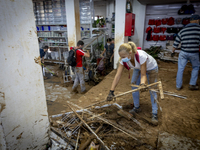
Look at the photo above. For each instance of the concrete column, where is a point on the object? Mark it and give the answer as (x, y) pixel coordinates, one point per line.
(23, 109)
(140, 13)
(120, 10)
(73, 21)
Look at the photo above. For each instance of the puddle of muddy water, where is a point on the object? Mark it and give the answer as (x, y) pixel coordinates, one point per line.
(53, 92)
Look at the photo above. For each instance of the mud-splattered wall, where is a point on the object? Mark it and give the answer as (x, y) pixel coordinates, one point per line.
(23, 109)
(73, 21)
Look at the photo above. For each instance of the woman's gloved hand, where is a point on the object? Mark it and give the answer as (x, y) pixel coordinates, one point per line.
(110, 96)
(144, 87)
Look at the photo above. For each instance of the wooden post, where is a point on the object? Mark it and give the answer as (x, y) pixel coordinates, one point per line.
(161, 90)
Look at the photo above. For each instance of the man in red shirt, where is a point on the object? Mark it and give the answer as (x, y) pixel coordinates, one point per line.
(79, 74)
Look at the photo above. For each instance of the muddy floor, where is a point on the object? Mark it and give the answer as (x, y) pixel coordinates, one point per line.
(179, 119)
(58, 92)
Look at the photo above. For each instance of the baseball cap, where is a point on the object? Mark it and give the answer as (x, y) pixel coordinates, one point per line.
(194, 17)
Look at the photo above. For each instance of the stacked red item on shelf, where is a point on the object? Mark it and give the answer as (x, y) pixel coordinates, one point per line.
(148, 29)
(156, 30)
(170, 21)
(162, 38)
(185, 21)
(158, 22)
(163, 29)
(164, 20)
(151, 22)
(155, 37)
(159, 37)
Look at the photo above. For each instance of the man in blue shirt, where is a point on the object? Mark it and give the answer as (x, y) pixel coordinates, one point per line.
(43, 53)
(189, 37)
(109, 50)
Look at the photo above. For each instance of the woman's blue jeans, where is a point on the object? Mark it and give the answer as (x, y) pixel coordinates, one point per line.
(152, 76)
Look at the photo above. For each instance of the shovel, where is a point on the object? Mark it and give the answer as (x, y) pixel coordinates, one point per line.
(49, 70)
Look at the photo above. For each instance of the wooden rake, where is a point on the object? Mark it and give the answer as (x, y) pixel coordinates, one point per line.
(159, 83)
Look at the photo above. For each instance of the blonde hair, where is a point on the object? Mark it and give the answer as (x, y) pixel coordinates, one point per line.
(128, 47)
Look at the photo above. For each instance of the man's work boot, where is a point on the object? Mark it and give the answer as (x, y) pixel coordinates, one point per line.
(135, 110)
(74, 90)
(178, 89)
(83, 92)
(193, 87)
(154, 119)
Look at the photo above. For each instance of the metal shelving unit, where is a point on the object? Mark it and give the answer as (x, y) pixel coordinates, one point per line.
(53, 30)
(51, 24)
(55, 42)
(50, 17)
(97, 29)
(50, 37)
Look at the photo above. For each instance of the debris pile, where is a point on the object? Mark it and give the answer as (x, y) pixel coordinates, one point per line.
(105, 127)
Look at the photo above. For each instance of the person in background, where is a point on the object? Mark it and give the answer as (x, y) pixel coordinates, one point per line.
(113, 45)
(109, 50)
(145, 70)
(189, 37)
(43, 53)
(79, 74)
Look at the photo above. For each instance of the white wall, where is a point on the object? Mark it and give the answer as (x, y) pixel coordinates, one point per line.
(100, 8)
(110, 8)
(23, 112)
(140, 13)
